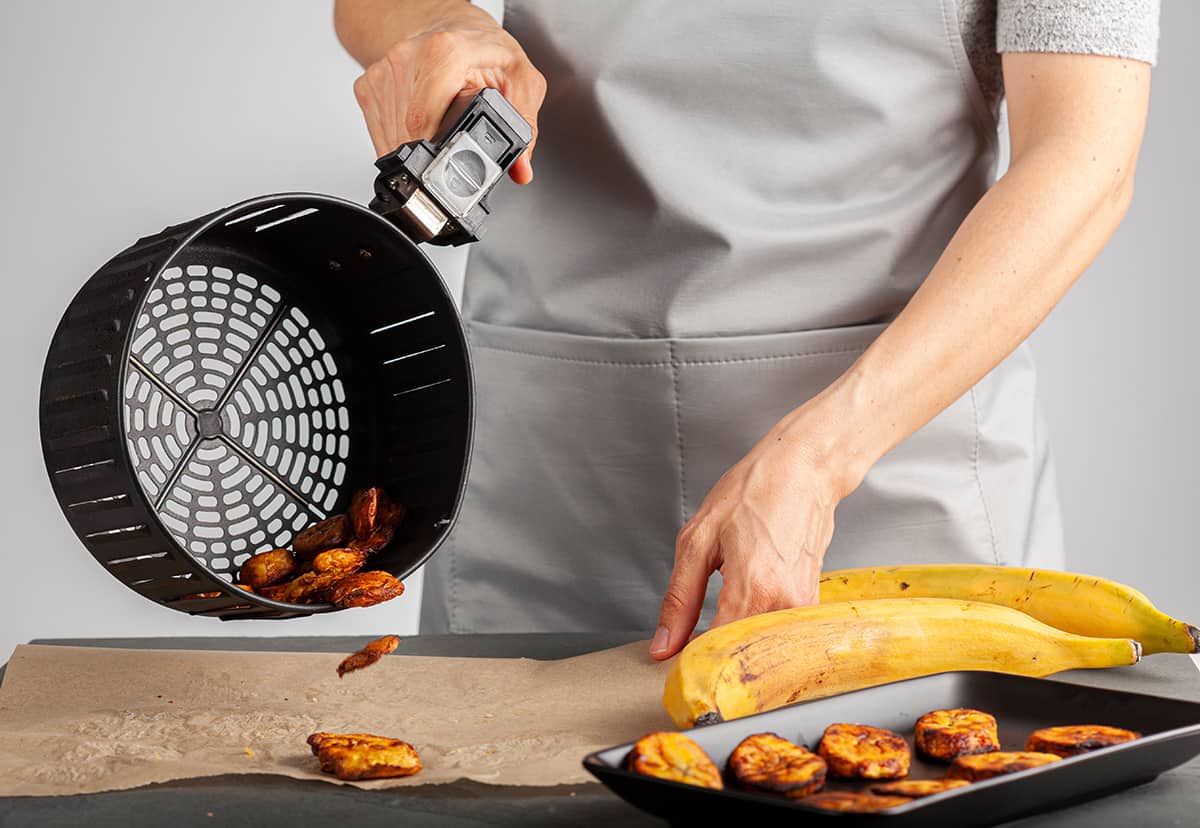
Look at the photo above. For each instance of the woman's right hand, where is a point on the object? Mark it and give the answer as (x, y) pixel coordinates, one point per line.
(404, 94)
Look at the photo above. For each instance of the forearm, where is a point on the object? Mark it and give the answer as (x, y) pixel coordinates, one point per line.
(1013, 258)
(368, 28)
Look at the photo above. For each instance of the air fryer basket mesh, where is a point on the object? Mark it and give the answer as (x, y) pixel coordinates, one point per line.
(218, 386)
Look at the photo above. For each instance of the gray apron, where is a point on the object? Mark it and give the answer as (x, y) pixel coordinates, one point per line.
(731, 202)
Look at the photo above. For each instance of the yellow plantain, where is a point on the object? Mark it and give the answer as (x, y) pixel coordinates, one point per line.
(1081, 604)
(767, 661)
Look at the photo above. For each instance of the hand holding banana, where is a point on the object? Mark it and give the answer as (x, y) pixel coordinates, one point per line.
(951, 617)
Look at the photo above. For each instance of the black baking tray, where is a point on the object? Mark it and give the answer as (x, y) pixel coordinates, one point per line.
(1170, 728)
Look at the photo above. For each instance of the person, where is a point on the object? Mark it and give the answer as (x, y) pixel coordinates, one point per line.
(765, 277)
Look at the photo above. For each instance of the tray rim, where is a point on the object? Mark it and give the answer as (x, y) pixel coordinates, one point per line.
(600, 768)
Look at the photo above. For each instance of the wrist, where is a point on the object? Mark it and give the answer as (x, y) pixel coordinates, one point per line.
(838, 432)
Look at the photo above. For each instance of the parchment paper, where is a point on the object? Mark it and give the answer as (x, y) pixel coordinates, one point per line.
(81, 719)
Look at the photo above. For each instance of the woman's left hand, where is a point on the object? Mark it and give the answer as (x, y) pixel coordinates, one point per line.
(764, 526)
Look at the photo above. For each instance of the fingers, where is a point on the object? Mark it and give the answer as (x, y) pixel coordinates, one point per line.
(371, 108)
(521, 170)
(527, 93)
(440, 73)
(405, 95)
(685, 593)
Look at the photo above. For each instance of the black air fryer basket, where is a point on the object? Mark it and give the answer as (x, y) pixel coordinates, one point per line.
(216, 387)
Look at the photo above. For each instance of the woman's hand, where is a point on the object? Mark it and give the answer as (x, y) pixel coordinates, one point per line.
(764, 526)
(435, 50)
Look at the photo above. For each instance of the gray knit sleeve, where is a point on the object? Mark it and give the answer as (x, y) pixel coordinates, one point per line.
(1120, 28)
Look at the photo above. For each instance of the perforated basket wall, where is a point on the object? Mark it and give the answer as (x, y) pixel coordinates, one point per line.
(216, 387)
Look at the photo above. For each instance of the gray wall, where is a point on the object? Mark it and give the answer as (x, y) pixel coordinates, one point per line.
(121, 117)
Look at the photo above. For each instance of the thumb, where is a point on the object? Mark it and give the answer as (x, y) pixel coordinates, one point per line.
(521, 170)
(684, 597)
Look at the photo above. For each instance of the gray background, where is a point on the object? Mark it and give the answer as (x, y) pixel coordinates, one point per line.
(121, 117)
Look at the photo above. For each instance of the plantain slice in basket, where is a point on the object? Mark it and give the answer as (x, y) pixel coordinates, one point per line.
(987, 765)
(855, 751)
(365, 589)
(1072, 740)
(327, 534)
(267, 568)
(674, 757)
(768, 762)
(944, 735)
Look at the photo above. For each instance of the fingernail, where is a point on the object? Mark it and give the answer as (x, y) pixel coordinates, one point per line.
(662, 637)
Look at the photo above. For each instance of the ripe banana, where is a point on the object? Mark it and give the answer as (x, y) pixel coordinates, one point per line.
(1080, 604)
(766, 661)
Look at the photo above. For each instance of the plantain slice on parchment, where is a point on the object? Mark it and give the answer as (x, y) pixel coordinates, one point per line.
(356, 756)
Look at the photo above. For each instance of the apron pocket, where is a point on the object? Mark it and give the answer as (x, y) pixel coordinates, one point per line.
(921, 502)
(571, 508)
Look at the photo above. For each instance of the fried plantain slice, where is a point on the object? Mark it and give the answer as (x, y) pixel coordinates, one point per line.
(376, 542)
(1072, 740)
(768, 762)
(365, 509)
(327, 534)
(980, 766)
(315, 740)
(267, 568)
(274, 592)
(354, 756)
(917, 788)
(343, 561)
(944, 735)
(855, 751)
(854, 803)
(675, 757)
(365, 589)
(309, 588)
(369, 654)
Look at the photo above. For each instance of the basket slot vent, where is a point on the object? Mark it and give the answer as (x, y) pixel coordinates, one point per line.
(99, 504)
(131, 549)
(101, 309)
(424, 387)
(90, 366)
(98, 473)
(69, 403)
(422, 352)
(70, 351)
(252, 215)
(77, 438)
(121, 534)
(307, 211)
(389, 326)
(129, 559)
(83, 457)
(173, 587)
(144, 570)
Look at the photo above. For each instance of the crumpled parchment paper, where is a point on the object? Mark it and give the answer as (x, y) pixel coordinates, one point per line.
(82, 719)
